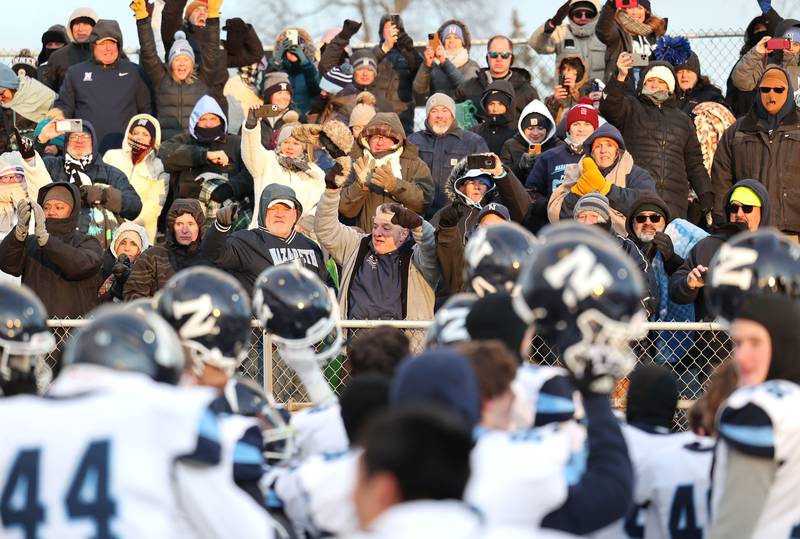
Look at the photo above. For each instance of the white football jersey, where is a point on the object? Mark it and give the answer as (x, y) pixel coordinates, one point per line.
(96, 457)
(518, 478)
(763, 421)
(319, 430)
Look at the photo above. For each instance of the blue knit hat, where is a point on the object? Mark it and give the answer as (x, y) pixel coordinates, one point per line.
(8, 79)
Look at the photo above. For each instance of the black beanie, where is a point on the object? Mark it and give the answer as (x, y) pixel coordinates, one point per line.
(365, 395)
(535, 118)
(494, 317)
(652, 396)
(147, 124)
(781, 318)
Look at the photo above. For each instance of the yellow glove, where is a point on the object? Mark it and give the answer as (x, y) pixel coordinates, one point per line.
(578, 189)
(592, 179)
(139, 8)
(213, 8)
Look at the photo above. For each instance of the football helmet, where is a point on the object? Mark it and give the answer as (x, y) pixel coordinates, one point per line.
(25, 339)
(300, 312)
(759, 263)
(242, 396)
(449, 326)
(210, 311)
(494, 256)
(124, 340)
(583, 295)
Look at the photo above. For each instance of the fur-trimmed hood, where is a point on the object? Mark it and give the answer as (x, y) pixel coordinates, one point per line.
(305, 39)
(464, 30)
(454, 181)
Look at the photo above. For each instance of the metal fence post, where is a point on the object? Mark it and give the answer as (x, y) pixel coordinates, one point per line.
(266, 354)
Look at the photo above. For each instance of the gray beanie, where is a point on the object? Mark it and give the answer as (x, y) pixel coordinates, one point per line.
(440, 100)
(286, 131)
(593, 202)
(180, 47)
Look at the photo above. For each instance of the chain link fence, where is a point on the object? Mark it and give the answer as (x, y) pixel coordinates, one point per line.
(691, 350)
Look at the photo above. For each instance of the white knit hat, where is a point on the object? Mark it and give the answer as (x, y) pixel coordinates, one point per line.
(663, 73)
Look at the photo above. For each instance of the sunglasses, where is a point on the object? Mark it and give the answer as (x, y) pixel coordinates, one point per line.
(767, 89)
(495, 55)
(655, 218)
(734, 208)
(582, 14)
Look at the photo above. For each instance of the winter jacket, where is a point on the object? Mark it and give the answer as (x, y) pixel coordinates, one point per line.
(349, 249)
(446, 77)
(65, 272)
(663, 141)
(147, 177)
(175, 100)
(405, 60)
(247, 253)
(113, 284)
(154, 267)
(569, 39)
(106, 95)
(702, 253)
(519, 78)
(385, 87)
(495, 131)
(515, 147)
(265, 169)
(750, 67)
(548, 172)
(122, 199)
(69, 55)
(617, 40)
(559, 107)
(749, 150)
(185, 158)
(31, 100)
(701, 93)
(415, 188)
(629, 182)
(441, 153)
(303, 76)
(450, 240)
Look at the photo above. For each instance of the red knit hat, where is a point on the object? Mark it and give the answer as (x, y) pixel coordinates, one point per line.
(584, 111)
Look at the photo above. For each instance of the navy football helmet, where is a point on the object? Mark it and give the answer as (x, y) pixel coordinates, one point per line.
(449, 325)
(25, 339)
(494, 256)
(299, 310)
(210, 311)
(124, 340)
(752, 264)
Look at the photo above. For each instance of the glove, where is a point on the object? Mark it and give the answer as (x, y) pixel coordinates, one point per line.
(297, 50)
(92, 194)
(40, 230)
(334, 178)
(23, 219)
(595, 368)
(304, 363)
(236, 30)
(558, 18)
(25, 146)
(765, 5)
(526, 161)
(363, 167)
(251, 121)
(285, 45)
(591, 179)
(349, 29)
(122, 266)
(227, 215)
(384, 178)
(706, 202)
(213, 8)
(404, 41)
(139, 8)
(307, 133)
(222, 193)
(450, 216)
(405, 217)
(663, 243)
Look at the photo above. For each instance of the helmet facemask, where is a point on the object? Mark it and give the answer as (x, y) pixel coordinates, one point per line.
(21, 360)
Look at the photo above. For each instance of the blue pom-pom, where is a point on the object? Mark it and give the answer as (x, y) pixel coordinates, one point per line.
(180, 34)
(675, 50)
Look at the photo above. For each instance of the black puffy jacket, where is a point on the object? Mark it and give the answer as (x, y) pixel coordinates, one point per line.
(663, 141)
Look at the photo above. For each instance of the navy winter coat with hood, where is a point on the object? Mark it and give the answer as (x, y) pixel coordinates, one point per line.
(515, 147)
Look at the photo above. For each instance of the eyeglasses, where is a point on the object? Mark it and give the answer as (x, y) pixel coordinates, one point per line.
(734, 208)
(655, 218)
(582, 14)
(767, 89)
(495, 55)
(80, 136)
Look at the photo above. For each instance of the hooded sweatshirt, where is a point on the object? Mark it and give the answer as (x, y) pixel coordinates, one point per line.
(69, 55)
(106, 95)
(31, 100)
(65, 272)
(515, 147)
(246, 253)
(496, 130)
(157, 264)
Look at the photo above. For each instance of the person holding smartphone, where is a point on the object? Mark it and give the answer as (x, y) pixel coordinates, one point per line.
(448, 65)
(782, 48)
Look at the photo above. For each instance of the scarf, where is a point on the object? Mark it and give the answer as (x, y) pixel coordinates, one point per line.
(656, 98)
(587, 30)
(393, 158)
(207, 135)
(76, 169)
(574, 146)
(293, 164)
(139, 151)
(632, 26)
(459, 58)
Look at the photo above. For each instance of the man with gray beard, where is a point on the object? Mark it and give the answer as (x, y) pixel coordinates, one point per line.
(443, 143)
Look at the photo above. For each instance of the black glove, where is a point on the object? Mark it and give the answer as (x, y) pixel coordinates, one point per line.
(251, 121)
(222, 193)
(405, 217)
(237, 33)
(450, 216)
(349, 29)
(92, 194)
(706, 202)
(25, 146)
(404, 41)
(558, 18)
(330, 176)
(663, 243)
(122, 266)
(227, 215)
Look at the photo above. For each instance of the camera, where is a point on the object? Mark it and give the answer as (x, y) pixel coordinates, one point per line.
(480, 161)
(69, 126)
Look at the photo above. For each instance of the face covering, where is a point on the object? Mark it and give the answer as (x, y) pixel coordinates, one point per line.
(657, 98)
(138, 151)
(206, 135)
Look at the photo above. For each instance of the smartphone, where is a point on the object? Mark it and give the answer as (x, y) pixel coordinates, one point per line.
(267, 111)
(640, 59)
(69, 126)
(561, 80)
(395, 19)
(779, 44)
(624, 4)
(534, 149)
(433, 41)
(291, 35)
(480, 161)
